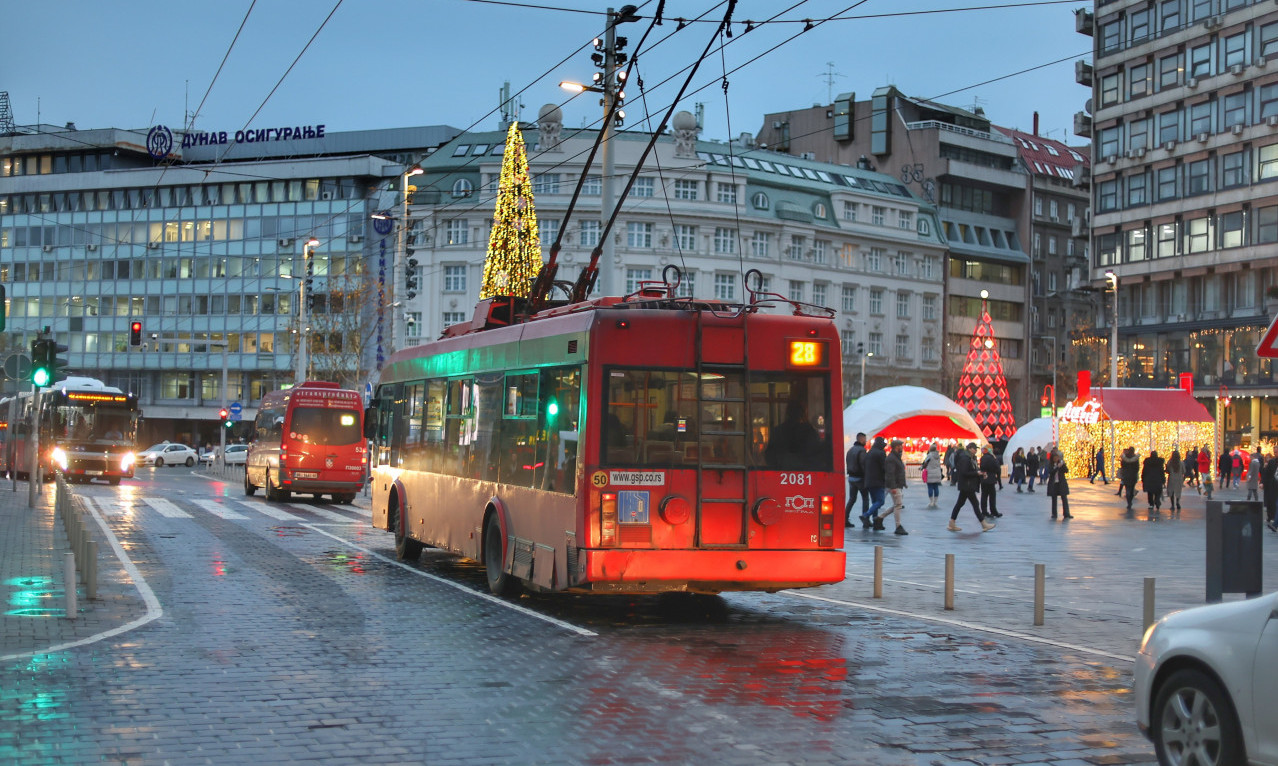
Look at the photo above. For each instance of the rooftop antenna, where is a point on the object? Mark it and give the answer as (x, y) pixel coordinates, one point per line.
(6, 114)
(828, 75)
(700, 112)
(511, 108)
(978, 105)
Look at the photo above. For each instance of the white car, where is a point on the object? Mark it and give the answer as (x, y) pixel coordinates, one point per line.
(234, 455)
(1207, 684)
(167, 453)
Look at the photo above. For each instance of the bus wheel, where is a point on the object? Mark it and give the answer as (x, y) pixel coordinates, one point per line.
(500, 583)
(406, 548)
(249, 489)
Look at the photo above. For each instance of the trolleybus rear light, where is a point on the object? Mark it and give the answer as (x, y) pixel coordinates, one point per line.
(608, 519)
(826, 521)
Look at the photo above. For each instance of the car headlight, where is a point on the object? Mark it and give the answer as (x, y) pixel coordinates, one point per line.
(59, 457)
(1149, 635)
(127, 460)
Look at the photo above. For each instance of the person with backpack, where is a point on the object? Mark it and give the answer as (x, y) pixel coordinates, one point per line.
(1128, 474)
(933, 474)
(875, 484)
(1031, 467)
(856, 479)
(968, 475)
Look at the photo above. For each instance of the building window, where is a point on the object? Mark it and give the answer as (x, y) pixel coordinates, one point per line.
(454, 317)
(1269, 39)
(902, 305)
(685, 189)
(1051, 244)
(796, 290)
(1109, 89)
(1038, 206)
(760, 244)
(847, 342)
(874, 343)
(794, 251)
(638, 235)
(849, 291)
(1138, 81)
(874, 259)
(1200, 61)
(849, 208)
(590, 231)
(1136, 188)
(462, 188)
(1233, 169)
(1267, 162)
(1107, 195)
(820, 251)
(1168, 127)
(455, 278)
(457, 231)
(545, 183)
(760, 201)
(1198, 235)
(1266, 225)
(687, 285)
(725, 287)
(930, 268)
(1054, 208)
(905, 220)
(634, 277)
(1169, 71)
(929, 307)
(1135, 250)
(819, 294)
(1166, 240)
(1235, 48)
(1198, 177)
(592, 186)
(1138, 25)
(1199, 119)
(726, 193)
(876, 301)
(1231, 229)
(643, 187)
(1234, 110)
(725, 240)
(903, 347)
(878, 215)
(413, 324)
(548, 231)
(1166, 178)
(1267, 101)
(685, 237)
(901, 264)
(1109, 144)
(1169, 15)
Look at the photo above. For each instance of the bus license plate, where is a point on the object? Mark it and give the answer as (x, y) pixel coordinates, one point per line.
(306, 475)
(92, 473)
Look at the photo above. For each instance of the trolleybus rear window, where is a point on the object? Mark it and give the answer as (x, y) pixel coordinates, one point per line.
(656, 418)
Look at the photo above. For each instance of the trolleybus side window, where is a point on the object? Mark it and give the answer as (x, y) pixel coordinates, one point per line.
(790, 421)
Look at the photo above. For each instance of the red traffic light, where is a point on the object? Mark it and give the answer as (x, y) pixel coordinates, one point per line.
(135, 334)
(223, 414)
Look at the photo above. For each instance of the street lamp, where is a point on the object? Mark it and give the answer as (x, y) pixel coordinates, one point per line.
(863, 358)
(303, 296)
(1113, 327)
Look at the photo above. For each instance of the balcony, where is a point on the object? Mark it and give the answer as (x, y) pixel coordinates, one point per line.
(1083, 73)
(1083, 124)
(1084, 22)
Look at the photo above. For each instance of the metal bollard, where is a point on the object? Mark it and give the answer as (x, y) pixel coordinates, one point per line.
(1149, 603)
(878, 571)
(949, 582)
(68, 578)
(1040, 578)
(91, 571)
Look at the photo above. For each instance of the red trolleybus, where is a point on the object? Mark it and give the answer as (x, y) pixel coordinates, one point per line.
(308, 439)
(636, 445)
(87, 431)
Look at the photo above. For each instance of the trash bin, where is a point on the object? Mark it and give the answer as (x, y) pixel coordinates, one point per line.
(1234, 547)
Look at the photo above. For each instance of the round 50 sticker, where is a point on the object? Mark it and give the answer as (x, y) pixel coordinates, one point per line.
(599, 478)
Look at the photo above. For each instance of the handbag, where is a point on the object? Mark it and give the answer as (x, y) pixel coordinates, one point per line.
(924, 475)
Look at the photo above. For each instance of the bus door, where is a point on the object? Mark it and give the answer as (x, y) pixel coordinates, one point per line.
(721, 472)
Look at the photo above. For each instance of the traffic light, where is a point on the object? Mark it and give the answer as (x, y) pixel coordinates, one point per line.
(410, 278)
(223, 413)
(41, 372)
(4, 307)
(860, 348)
(135, 334)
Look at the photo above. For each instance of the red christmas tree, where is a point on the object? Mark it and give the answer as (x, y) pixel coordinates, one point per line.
(982, 388)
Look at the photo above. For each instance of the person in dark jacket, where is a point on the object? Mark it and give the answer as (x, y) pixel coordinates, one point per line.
(856, 478)
(1128, 473)
(1031, 467)
(991, 472)
(1153, 477)
(1057, 484)
(968, 474)
(1175, 481)
(1269, 482)
(950, 452)
(894, 478)
(1098, 466)
(1224, 468)
(875, 459)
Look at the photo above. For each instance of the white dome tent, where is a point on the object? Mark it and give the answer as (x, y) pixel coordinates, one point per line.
(1036, 433)
(916, 415)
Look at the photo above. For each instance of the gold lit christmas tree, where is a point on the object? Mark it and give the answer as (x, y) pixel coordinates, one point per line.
(514, 248)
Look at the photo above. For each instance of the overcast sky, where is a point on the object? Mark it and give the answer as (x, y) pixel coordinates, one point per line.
(399, 63)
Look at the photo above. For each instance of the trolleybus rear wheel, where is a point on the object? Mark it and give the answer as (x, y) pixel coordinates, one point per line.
(406, 548)
(499, 582)
(249, 489)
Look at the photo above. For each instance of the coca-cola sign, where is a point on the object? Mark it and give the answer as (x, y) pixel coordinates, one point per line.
(1087, 412)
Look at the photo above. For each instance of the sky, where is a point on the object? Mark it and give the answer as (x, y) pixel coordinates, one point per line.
(368, 64)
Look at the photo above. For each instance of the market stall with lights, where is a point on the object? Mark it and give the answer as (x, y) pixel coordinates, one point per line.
(1160, 419)
(916, 416)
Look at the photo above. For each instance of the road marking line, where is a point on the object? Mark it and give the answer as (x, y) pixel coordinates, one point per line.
(218, 509)
(166, 508)
(153, 609)
(330, 515)
(368, 512)
(966, 625)
(485, 596)
(274, 513)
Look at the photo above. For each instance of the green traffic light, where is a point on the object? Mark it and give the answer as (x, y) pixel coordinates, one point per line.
(552, 410)
(41, 376)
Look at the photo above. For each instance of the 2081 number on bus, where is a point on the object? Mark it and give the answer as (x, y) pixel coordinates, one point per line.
(797, 479)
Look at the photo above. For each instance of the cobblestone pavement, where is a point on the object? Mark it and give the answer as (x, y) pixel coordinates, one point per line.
(287, 632)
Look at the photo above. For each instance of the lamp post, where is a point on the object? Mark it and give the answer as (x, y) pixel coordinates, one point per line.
(1052, 338)
(1113, 337)
(863, 358)
(303, 295)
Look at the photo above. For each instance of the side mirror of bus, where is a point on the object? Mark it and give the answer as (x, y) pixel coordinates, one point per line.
(370, 423)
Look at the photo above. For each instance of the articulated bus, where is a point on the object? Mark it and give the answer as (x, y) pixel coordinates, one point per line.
(308, 439)
(87, 431)
(640, 445)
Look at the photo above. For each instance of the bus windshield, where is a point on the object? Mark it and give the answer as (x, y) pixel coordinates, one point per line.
(652, 419)
(92, 424)
(325, 426)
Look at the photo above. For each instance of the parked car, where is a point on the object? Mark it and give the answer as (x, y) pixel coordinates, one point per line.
(1207, 684)
(234, 455)
(167, 453)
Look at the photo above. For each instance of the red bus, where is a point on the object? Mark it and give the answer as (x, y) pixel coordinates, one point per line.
(308, 439)
(637, 445)
(87, 431)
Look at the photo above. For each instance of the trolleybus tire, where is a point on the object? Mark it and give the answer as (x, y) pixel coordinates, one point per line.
(500, 583)
(406, 548)
(249, 489)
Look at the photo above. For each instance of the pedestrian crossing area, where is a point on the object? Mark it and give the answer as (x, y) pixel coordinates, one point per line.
(231, 509)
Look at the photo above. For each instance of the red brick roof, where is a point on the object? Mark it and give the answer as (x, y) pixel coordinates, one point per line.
(1046, 157)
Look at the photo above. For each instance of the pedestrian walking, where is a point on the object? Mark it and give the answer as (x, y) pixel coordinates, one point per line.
(1175, 481)
(968, 475)
(950, 453)
(1153, 475)
(1253, 476)
(1057, 484)
(1237, 464)
(856, 478)
(1191, 467)
(991, 471)
(894, 478)
(1204, 470)
(1099, 466)
(932, 476)
(1128, 473)
(1018, 469)
(1224, 469)
(875, 458)
(1031, 467)
(1269, 477)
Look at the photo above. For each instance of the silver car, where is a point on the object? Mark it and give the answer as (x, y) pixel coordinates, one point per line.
(1207, 684)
